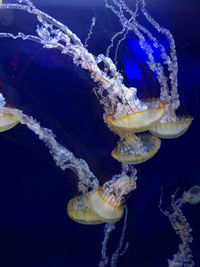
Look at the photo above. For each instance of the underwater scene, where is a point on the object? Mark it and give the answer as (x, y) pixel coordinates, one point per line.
(99, 126)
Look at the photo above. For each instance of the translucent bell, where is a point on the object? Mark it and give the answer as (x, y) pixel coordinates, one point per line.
(138, 121)
(136, 149)
(7, 121)
(171, 129)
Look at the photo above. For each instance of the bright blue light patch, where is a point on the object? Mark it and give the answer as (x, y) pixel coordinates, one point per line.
(132, 70)
(136, 50)
(137, 54)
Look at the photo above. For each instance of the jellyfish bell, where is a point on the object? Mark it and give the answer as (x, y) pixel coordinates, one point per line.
(192, 196)
(136, 149)
(104, 205)
(80, 211)
(94, 208)
(137, 121)
(172, 128)
(7, 121)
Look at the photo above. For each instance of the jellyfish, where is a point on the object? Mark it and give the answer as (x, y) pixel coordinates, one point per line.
(104, 205)
(170, 125)
(124, 112)
(173, 127)
(135, 149)
(192, 196)
(79, 210)
(132, 148)
(138, 121)
(7, 120)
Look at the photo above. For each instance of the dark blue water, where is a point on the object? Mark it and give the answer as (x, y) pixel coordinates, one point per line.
(35, 230)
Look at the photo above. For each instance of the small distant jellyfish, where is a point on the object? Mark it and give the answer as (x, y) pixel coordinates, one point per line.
(192, 196)
(104, 205)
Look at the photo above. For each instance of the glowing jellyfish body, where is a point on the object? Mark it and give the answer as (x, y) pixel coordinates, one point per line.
(79, 210)
(7, 121)
(138, 121)
(192, 196)
(104, 205)
(172, 129)
(94, 208)
(136, 149)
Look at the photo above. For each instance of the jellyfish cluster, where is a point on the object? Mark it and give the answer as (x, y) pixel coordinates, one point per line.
(124, 113)
(102, 205)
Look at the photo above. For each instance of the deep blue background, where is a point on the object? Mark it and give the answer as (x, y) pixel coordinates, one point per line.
(34, 227)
